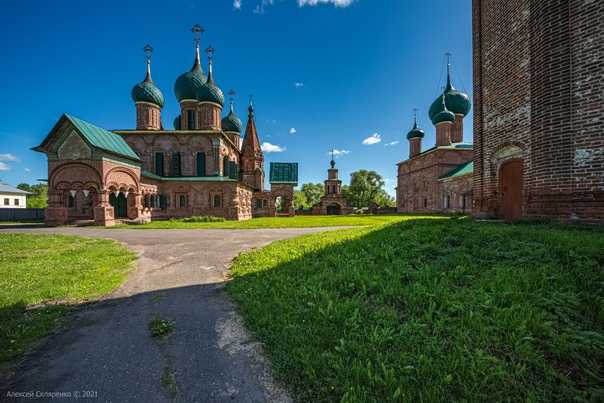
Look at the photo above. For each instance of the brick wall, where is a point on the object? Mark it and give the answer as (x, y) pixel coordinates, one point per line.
(418, 186)
(538, 84)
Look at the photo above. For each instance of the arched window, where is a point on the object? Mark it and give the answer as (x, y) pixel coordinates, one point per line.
(159, 164)
(191, 120)
(217, 201)
(225, 166)
(201, 164)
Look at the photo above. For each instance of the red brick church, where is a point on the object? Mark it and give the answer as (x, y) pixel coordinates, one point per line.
(538, 149)
(201, 167)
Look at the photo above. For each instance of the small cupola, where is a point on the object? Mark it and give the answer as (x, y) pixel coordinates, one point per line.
(445, 115)
(231, 122)
(415, 136)
(148, 99)
(210, 92)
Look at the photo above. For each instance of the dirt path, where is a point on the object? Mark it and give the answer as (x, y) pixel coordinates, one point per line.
(107, 349)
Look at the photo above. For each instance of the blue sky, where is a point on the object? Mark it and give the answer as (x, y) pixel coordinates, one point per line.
(338, 72)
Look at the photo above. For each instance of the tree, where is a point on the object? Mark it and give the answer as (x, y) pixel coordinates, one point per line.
(39, 196)
(313, 193)
(366, 187)
(300, 201)
(309, 195)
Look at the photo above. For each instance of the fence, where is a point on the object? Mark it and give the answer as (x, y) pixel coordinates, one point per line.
(21, 214)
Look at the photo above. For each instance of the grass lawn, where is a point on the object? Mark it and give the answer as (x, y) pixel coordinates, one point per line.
(41, 276)
(276, 222)
(431, 311)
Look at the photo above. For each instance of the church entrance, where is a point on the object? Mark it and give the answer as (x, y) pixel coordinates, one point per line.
(119, 204)
(510, 188)
(334, 209)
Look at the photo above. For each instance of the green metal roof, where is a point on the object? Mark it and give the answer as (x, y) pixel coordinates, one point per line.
(284, 172)
(460, 170)
(103, 139)
(151, 175)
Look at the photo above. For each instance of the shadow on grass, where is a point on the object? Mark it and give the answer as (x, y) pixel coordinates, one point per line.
(431, 310)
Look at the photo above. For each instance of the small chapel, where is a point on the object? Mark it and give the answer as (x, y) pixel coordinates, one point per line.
(200, 167)
(332, 202)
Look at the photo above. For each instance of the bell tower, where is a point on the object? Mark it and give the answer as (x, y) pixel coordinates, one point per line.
(333, 185)
(252, 159)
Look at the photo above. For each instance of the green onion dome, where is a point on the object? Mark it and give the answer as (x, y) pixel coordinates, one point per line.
(444, 115)
(210, 92)
(231, 122)
(416, 132)
(456, 102)
(188, 84)
(147, 91)
(177, 123)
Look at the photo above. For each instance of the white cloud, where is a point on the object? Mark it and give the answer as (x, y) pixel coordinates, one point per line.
(8, 157)
(237, 4)
(337, 3)
(339, 153)
(27, 170)
(298, 84)
(4, 167)
(293, 130)
(262, 5)
(392, 143)
(271, 148)
(373, 139)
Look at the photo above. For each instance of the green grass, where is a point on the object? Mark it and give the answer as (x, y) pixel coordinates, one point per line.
(275, 222)
(42, 276)
(431, 311)
(161, 328)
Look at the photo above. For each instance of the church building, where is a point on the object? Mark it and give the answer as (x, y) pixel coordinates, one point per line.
(438, 179)
(200, 167)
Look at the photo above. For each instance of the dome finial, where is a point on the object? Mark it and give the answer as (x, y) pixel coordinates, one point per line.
(210, 53)
(414, 118)
(197, 31)
(250, 108)
(148, 52)
(232, 95)
(449, 86)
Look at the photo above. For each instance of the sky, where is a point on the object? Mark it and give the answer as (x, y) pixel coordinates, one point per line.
(324, 74)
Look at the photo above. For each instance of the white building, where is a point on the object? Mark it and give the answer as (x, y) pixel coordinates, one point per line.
(11, 197)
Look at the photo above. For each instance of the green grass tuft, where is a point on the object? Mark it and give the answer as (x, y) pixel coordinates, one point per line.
(43, 276)
(431, 310)
(203, 218)
(161, 328)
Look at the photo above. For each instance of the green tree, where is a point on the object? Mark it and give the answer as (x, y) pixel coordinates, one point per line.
(300, 201)
(366, 187)
(39, 196)
(313, 193)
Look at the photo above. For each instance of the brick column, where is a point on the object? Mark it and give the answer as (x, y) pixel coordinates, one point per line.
(443, 134)
(415, 146)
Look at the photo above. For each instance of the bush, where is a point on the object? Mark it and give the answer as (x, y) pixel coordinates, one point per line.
(204, 218)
